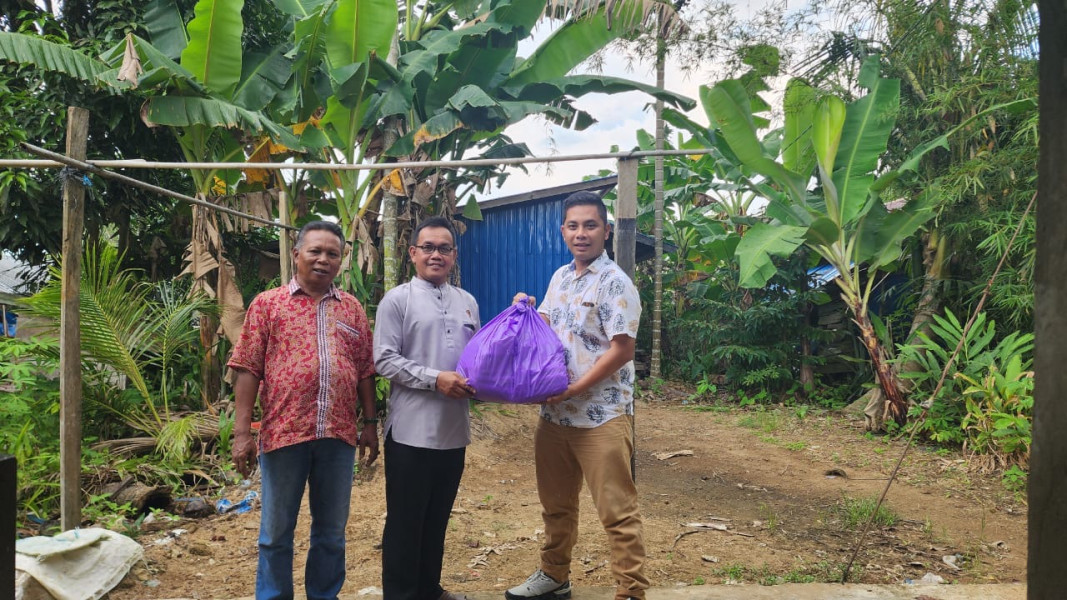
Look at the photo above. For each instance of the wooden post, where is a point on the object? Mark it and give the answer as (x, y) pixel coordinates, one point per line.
(1047, 516)
(70, 374)
(626, 250)
(626, 216)
(8, 492)
(285, 244)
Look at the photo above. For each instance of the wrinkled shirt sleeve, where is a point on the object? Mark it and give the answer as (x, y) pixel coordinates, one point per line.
(619, 306)
(365, 352)
(389, 359)
(548, 300)
(250, 352)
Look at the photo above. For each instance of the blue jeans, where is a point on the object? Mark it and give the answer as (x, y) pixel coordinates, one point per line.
(326, 467)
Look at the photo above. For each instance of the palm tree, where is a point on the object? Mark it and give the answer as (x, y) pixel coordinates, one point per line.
(132, 328)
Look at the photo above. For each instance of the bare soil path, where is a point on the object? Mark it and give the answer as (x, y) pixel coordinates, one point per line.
(761, 474)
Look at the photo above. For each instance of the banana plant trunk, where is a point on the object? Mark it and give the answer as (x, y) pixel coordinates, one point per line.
(896, 406)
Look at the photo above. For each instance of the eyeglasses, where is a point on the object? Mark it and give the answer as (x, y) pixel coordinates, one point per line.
(429, 249)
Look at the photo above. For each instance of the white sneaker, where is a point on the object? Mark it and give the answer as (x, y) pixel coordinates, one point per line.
(540, 586)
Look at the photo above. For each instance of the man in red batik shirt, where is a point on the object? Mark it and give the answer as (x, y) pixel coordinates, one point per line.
(306, 350)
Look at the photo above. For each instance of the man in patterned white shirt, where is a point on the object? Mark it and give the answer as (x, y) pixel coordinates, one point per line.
(587, 431)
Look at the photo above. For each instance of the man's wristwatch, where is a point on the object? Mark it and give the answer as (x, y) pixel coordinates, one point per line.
(367, 420)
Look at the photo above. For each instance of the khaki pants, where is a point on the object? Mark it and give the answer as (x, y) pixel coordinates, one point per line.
(562, 455)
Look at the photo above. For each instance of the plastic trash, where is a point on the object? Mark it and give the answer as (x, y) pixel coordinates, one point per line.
(515, 358)
(931, 578)
(224, 505)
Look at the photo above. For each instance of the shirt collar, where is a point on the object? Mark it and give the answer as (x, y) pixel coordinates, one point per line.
(294, 287)
(426, 285)
(594, 267)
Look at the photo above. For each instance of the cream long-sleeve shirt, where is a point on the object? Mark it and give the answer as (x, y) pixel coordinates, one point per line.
(421, 330)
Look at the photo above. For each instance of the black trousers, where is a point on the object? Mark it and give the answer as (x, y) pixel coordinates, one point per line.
(420, 487)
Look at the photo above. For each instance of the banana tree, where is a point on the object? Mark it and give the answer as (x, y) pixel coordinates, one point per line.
(338, 50)
(459, 82)
(844, 220)
(197, 83)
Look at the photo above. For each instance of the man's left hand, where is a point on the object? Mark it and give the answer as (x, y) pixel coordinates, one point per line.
(368, 443)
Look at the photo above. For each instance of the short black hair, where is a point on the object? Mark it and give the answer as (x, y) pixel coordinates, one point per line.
(441, 222)
(586, 199)
(333, 228)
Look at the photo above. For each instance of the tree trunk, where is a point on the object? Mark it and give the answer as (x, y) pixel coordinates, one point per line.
(896, 406)
(390, 263)
(929, 304)
(210, 364)
(655, 370)
(807, 373)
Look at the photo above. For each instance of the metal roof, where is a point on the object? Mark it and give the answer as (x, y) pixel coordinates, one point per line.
(516, 247)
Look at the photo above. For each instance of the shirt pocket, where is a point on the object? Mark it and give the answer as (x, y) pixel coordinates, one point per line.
(350, 337)
(469, 329)
(348, 331)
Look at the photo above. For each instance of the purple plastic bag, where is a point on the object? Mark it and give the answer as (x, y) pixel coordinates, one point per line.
(515, 358)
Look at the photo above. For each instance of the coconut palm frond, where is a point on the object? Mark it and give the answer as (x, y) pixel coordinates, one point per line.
(113, 306)
(172, 325)
(176, 439)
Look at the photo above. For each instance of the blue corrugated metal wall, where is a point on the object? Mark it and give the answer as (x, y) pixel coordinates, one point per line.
(514, 248)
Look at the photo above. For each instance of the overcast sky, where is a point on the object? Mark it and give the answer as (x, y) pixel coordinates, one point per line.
(619, 116)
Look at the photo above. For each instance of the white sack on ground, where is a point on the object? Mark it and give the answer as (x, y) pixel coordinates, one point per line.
(81, 564)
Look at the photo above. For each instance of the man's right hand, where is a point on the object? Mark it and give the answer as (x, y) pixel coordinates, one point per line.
(244, 453)
(522, 297)
(454, 385)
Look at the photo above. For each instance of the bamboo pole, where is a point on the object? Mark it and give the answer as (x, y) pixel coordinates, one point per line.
(70, 375)
(92, 167)
(295, 166)
(285, 245)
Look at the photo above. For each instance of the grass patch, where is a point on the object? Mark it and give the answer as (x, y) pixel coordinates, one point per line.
(821, 572)
(767, 422)
(769, 516)
(796, 446)
(708, 408)
(855, 512)
(732, 572)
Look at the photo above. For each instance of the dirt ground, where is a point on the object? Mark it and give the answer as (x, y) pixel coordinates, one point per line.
(772, 484)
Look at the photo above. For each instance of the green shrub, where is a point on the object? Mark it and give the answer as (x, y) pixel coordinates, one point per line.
(855, 512)
(999, 414)
(923, 360)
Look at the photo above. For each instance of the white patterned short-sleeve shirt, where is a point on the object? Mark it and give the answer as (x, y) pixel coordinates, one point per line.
(586, 312)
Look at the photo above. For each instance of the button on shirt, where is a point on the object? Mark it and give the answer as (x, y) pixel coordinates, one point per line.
(309, 357)
(586, 311)
(420, 330)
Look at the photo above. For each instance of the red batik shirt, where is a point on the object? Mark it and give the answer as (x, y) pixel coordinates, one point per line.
(309, 357)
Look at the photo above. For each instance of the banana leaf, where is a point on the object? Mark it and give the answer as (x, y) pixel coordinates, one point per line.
(213, 54)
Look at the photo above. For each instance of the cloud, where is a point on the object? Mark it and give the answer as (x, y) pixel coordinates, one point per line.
(619, 117)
